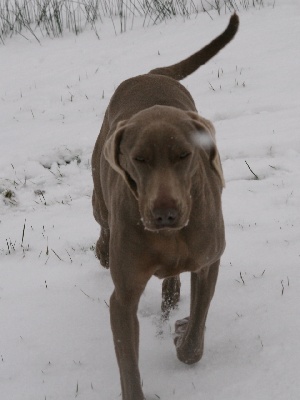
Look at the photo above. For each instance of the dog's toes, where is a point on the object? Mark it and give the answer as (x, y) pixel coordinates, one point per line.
(102, 253)
(104, 261)
(180, 328)
(180, 324)
(188, 349)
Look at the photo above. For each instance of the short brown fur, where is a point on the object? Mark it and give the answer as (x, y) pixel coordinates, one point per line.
(157, 196)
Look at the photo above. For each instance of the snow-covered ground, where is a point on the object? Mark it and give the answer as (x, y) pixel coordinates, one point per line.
(55, 337)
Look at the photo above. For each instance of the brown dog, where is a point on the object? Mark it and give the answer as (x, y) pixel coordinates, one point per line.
(157, 196)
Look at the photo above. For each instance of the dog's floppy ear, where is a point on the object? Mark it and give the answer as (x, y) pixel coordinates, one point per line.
(111, 149)
(207, 141)
(112, 154)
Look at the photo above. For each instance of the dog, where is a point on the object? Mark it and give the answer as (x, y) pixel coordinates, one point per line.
(157, 196)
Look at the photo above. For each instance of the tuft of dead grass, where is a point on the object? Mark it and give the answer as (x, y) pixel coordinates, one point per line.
(52, 17)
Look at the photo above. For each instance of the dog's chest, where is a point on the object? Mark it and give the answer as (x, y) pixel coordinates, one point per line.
(170, 256)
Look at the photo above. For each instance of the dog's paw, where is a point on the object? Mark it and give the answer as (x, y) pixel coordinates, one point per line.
(102, 252)
(189, 349)
(180, 328)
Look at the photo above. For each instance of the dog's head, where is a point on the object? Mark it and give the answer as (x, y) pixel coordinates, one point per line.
(158, 152)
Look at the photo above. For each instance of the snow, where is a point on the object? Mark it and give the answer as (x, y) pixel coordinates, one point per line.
(55, 337)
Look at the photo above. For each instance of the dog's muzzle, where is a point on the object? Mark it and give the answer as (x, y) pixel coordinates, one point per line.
(165, 217)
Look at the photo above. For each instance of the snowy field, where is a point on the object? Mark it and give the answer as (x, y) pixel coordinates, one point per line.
(55, 337)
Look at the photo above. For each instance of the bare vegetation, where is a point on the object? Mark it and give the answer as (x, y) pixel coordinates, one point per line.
(52, 17)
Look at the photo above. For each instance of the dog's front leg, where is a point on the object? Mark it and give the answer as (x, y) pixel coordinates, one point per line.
(189, 332)
(125, 328)
(130, 276)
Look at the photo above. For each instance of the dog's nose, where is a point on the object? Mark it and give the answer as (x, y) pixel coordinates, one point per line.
(165, 217)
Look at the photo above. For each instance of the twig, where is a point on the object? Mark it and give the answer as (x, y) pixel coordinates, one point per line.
(211, 86)
(256, 177)
(242, 278)
(57, 255)
(23, 233)
(282, 287)
(86, 294)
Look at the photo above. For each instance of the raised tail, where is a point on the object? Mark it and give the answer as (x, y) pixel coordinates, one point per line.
(186, 67)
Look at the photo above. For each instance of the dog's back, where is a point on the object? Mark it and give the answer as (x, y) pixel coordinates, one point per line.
(145, 91)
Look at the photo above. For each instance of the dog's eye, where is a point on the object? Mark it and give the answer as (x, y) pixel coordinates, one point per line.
(184, 155)
(140, 159)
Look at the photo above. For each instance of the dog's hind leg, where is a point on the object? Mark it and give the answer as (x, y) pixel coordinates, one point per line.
(170, 295)
(189, 332)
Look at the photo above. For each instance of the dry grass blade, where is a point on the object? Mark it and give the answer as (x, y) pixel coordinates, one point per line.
(53, 17)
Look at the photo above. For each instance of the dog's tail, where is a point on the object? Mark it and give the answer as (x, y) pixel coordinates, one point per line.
(186, 67)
